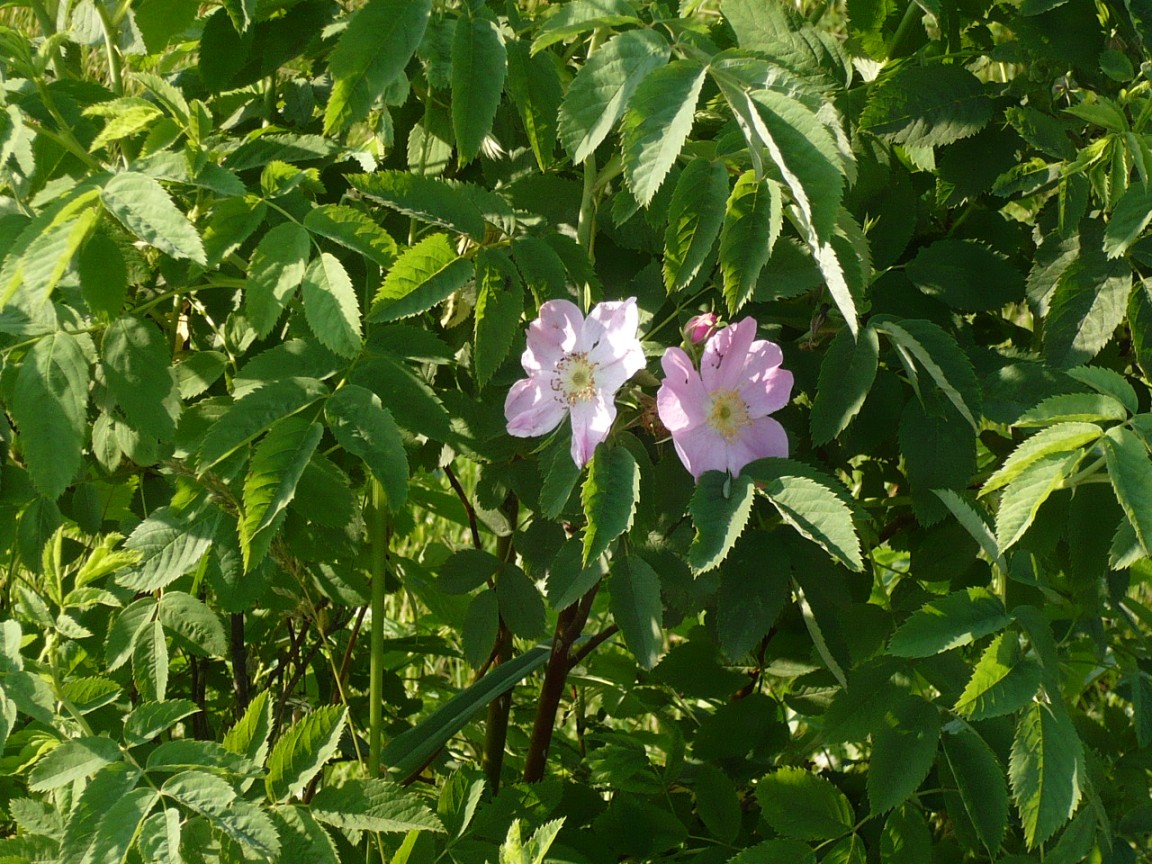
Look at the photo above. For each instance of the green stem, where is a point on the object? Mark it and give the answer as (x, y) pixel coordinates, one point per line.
(115, 72)
(378, 539)
(586, 222)
(911, 18)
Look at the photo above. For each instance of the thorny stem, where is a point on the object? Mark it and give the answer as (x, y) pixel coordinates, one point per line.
(500, 708)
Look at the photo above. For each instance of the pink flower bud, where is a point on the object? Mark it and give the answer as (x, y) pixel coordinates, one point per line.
(700, 327)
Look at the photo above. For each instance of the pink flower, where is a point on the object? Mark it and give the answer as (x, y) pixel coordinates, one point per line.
(718, 416)
(700, 327)
(575, 365)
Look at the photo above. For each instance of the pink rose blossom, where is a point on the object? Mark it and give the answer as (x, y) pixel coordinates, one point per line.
(700, 327)
(718, 416)
(575, 365)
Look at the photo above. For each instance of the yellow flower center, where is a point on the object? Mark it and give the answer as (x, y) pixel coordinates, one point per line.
(728, 414)
(575, 378)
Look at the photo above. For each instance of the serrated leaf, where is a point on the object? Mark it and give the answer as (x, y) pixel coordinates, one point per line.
(903, 751)
(478, 67)
(1002, 682)
(331, 306)
(1046, 768)
(938, 354)
(216, 800)
(159, 840)
(846, 376)
(249, 737)
(302, 750)
(412, 402)
(190, 619)
(966, 275)
(352, 230)
(1073, 408)
(428, 199)
(657, 123)
(103, 275)
(138, 370)
(720, 508)
(927, 106)
(695, 217)
(520, 603)
(1130, 216)
(255, 414)
(602, 89)
(169, 543)
(637, 608)
(958, 619)
(974, 520)
(534, 86)
(150, 662)
(1022, 498)
(1085, 308)
(305, 840)
(803, 805)
(145, 209)
(1140, 324)
(1125, 549)
(1058, 438)
(753, 218)
(118, 827)
(149, 719)
(499, 304)
(72, 760)
(424, 275)
(373, 50)
(49, 404)
(1108, 382)
(609, 495)
(481, 624)
(906, 838)
(372, 805)
(365, 428)
(717, 803)
(275, 269)
(1130, 470)
(582, 16)
(981, 784)
(813, 509)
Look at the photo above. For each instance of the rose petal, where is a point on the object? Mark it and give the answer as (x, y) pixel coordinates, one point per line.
(701, 449)
(532, 409)
(681, 401)
(552, 335)
(609, 330)
(722, 365)
(767, 391)
(763, 437)
(591, 421)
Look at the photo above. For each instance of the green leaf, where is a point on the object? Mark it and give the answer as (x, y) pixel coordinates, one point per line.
(216, 800)
(124, 629)
(1073, 408)
(939, 451)
(906, 838)
(771, 31)
(903, 751)
(1002, 682)
(275, 269)
(159, 840)
(191, 621)
(466, 570)
(47, 257)
(1022, 498)
(145, 209)
(981, 784)
(373, 50)
(365, 428)
(803, 805)
(520, 603)
(720, 508)
(1046, 768)
(352, 230)
(752, 221)
(49, 404)
(1109, 382)
(636, 607)
(958, 619)
(409, 751)
(1130, 216)
(717, 803)
(330, 305)
(424, 275)
(927, 106)
(169, 543)
(118, 827)
(850, 850)
(138, 370)
(966, 275)
(1086, 307)
(372, 805)
(1140, 325)
(305, 840)
(249, 737)
(255, 414)
(103, 275)
(775, 851)
(582, 16)
(695, 217)
(149, 719)
(937, 353)
(1125, 548)
(478, 67)
(609, 495)
(1130, 470)
(656, 125)
(846, 375)
(754, 588)
(602, 89)
(1055, 439)
(812, 508)
(499, 304)
(412, 402)
(429, 199)
(481, 624)
(302, 751)
(975, 521)
(150, 662)
(230, 222)
(534, 85)
(72, 760)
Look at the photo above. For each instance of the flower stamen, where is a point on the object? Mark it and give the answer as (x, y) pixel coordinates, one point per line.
(728, 414)
(574, 379)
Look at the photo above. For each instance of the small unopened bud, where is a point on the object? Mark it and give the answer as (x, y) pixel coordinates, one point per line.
(700, 327)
